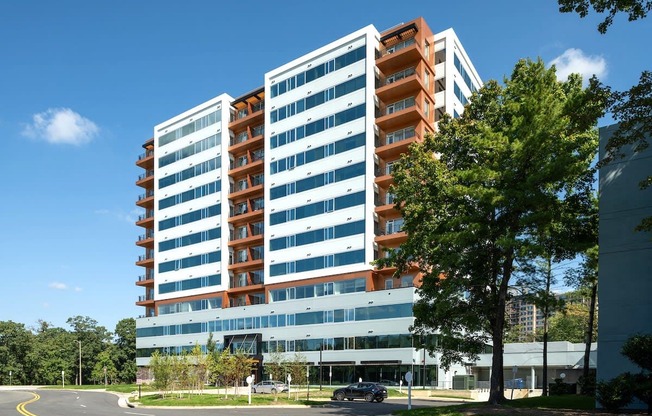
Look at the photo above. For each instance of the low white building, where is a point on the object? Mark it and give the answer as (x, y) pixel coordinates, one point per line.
(524, 361)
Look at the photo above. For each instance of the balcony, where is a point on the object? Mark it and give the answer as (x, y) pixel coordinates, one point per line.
(402, 84)
(250, 138)
(146, 160)
(146, 220)
(146, 279)
(146, 260)
(145, 300)
(399, 55)
(146, 200)
(392, 145)
(146, 180)
(405, 112)
(247, 116)
(146, 240)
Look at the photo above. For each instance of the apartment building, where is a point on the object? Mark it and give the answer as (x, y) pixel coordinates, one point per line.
(264, 212)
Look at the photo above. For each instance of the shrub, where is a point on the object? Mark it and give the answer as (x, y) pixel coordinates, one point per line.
(587, 385)
(615, 393)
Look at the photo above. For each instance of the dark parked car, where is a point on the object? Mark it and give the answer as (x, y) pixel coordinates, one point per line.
(367, 391)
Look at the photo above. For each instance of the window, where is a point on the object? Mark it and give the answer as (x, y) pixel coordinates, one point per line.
(389, 283)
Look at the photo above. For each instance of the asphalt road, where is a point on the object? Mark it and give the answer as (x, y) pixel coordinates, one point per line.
(76, 403)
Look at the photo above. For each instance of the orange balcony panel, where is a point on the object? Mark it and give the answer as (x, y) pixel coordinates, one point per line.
(394, 150)
(149, 263)
(146, 302)
(243, 242)
(248, 193)
(148, 283)
(246, 289)
(146, 161)
(387, 211)
(253, 118)
(248, 169)
(246, 266)
(410, 86)
(147, 203)
(252, 216)
(384, 181)
(404, 58)
(409, 116)
(249, 144)
(145, 242)
(147, 182)
(391, 239)
(147, 222)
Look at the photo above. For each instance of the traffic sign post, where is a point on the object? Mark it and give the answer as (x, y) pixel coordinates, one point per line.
(249, 379)
(408, 378)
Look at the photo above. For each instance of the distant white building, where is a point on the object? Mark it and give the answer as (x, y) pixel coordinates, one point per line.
(524, 361)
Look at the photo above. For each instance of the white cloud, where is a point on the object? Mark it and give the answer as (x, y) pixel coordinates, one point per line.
(58, 286)
(78, 289)
(575, 61)
(61, 126)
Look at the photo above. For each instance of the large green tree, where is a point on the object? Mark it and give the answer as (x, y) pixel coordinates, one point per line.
(15, 344)
(477, 196)
(92, 339)
(635, 9)
(631, 109)
(124, 357)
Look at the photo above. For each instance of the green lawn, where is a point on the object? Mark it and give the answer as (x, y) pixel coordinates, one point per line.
(572, 402)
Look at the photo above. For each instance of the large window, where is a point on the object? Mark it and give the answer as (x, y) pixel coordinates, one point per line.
(189, 128)
(318, 71)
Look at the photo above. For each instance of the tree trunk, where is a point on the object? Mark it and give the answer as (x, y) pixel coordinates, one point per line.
(589, 331)
(497, 382)
(546, 309)
(496, 392)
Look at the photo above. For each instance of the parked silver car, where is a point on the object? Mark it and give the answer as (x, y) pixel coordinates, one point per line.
(269, 386)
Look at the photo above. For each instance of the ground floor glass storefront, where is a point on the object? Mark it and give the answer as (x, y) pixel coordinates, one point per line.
(388, 374)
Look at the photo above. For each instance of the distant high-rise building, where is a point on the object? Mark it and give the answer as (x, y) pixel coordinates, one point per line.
(263, 213)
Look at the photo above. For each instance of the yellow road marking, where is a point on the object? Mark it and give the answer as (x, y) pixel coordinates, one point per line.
(21, 406)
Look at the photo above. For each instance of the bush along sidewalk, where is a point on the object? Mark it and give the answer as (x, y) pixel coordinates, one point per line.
(619, 392)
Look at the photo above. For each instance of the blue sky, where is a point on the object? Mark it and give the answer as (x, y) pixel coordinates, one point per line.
(82, 84)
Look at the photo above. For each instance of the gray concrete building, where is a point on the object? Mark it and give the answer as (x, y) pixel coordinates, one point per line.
(625, 265)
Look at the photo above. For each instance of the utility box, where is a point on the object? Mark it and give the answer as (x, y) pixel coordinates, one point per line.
(464, 382)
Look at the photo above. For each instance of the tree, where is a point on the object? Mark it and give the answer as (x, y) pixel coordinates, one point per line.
(476, 196)
(104, 369)
(586, 278)
(631, 109)
(570, 324)
(162, 369)
(297, 368)
(540, 278)
(93, 337)
(15, 345)
(277, 366)
(636, 9)
(124, 357)
(638, 349)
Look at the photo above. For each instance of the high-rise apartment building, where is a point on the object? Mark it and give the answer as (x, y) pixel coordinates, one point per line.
(265, 212)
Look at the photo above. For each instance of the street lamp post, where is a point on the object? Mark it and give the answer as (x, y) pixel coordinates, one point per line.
(80, 370)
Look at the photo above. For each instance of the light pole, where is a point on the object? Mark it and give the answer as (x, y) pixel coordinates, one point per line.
(10, 383)
(80, 372)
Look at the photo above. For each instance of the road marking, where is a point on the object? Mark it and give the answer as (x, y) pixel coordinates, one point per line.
(21, 406)
(140, 414)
